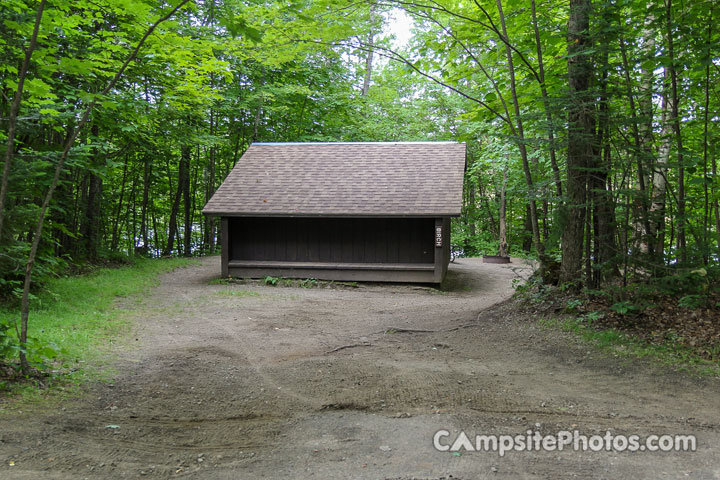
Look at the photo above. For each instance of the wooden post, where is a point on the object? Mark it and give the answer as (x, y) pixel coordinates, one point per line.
(225, 245)
(440, 240)
(446, 245)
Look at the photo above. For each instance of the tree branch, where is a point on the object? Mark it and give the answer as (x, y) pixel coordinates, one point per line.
(14, 109)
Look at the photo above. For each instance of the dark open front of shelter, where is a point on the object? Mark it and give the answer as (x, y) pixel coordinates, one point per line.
(401, 249)
(341, 211)
(338, 240)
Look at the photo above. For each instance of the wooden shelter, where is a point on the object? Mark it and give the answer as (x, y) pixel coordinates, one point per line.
(373, 211)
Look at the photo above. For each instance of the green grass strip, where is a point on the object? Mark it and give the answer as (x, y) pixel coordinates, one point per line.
(623, 344)
(82, 316)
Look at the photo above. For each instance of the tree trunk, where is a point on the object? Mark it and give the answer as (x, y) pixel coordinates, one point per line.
(502, 236)
(581, 130)
(488, 209)
(184, 184)
(642, 216)
(706, 179)
(92, 215)
(681, 242)
(546, 105)
(209, 232)
(717, 209)
(471, 209)
(258, 112)
(602, 211)
(521, 141)
(116, 223)
(706, 139)
(527, 226)
(172, 227)
(130, 225)
(604, 215)
(657, 205)
(713, 187)
(144, 205)
(156, 232)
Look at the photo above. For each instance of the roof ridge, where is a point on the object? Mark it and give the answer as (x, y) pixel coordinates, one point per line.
(431, 142)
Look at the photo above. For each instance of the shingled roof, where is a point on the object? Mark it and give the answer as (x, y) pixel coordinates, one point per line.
(344, 179)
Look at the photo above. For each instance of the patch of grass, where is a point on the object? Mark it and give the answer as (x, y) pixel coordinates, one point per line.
(623, 344)
(308, 283)
(238, 293)
(80, 316)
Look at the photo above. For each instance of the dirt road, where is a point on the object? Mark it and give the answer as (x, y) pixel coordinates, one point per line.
(253, 381)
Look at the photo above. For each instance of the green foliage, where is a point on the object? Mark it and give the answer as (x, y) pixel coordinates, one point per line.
(573, 305)
(13, 260)
(692, 302)
(272, 281)
(472, 245)
(625, 307)
(533, 290)
(698, 281)
(8, 340)
(592, 317)
(308, 283)
(690, 289)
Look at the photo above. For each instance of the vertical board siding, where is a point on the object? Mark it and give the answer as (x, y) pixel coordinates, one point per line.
(346, 232)
(290, 232)
(381, 246)
(341, 240)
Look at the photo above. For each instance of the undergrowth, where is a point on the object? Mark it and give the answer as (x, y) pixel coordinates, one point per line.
(73, 320)
(674, 319)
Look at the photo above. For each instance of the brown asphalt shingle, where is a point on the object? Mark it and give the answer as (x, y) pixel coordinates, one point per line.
(363, 178)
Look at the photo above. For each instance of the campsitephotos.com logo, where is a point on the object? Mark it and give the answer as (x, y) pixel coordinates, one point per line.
(444, 441)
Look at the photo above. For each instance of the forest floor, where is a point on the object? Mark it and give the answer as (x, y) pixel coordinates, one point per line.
(244, 380)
